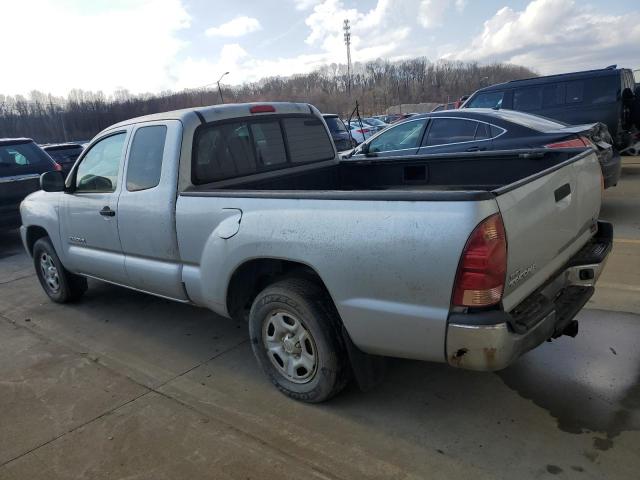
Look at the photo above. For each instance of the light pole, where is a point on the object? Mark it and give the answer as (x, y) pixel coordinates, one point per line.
(219, 89)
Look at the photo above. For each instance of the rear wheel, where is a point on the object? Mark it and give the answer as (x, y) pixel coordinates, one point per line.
(59, 284)
(295, 336)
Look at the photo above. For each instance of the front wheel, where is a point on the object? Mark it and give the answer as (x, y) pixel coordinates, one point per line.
(295, 337)
(59, 284)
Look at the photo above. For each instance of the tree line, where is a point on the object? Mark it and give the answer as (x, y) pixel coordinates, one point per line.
(376, 86)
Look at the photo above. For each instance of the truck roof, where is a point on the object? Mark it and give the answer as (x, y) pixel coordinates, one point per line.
(549, 78)
(212, 113)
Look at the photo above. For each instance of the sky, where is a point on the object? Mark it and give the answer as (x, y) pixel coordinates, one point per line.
(159, 45)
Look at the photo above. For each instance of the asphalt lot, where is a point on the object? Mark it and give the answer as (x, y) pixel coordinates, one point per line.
(125, 385)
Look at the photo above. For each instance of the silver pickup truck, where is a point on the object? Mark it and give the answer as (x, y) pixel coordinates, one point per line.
(470, 259)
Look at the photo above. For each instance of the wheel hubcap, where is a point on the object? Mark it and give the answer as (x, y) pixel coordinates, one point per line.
(49, 272)
(290, 346)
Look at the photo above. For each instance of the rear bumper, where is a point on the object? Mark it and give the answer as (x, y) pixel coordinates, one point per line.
(494, 339)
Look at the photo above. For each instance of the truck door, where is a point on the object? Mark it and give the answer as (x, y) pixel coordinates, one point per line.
(89, 228)
(147, 210)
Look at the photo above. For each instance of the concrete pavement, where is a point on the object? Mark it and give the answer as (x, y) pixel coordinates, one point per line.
(125, 385)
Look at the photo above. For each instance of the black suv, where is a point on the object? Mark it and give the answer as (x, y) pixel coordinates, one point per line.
(21, 163)
(339, 133)
(606, 95)
(65, 154)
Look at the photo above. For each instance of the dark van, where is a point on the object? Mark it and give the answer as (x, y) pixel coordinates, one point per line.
(605, 95)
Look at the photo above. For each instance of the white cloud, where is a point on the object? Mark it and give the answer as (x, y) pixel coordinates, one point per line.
(431, 12)
(461, 5)
(237, 27)
(98, 47)
(305, 4)
(556, 36)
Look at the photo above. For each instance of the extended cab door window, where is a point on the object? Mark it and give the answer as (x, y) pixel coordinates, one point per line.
(145, 158)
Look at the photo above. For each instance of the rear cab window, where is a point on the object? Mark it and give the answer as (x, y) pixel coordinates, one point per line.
(238, 148)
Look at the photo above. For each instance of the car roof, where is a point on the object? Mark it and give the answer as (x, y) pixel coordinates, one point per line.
(213, 113)
(60, 146)
(489, 114)
(15, 141)
(602, 72)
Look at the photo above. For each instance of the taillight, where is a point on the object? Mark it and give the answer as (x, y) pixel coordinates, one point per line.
(262, 109)
(364, 130)
(579, 142)
(483, 266)
(57, 167)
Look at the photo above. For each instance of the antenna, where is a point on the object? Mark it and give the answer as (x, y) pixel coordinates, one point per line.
(347, 41)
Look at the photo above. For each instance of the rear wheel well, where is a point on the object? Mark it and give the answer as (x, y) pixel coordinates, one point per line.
(255, 275)
(34, 233)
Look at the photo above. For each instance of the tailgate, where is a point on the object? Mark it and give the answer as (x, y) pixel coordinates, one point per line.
(548, 217)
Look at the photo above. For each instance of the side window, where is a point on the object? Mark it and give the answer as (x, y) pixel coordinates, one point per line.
(602, 89)
(98, 170)
(487, 100)
(269, 143)
(527, 99)
(404, 136)
(483, 132)
(495, 131)
(575, 91)
(553, 95)
(451, 130)
(307, 139)
(145, 158)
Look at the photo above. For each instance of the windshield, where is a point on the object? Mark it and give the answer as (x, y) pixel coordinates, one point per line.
(335, 125)
(375, 121)
(486, 100)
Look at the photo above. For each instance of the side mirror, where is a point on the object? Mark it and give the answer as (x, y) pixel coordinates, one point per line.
(52, 181)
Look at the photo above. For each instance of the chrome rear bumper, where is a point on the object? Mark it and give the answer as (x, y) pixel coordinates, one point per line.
(492, 340)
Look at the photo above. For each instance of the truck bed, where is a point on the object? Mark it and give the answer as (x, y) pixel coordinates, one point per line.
(461, 176)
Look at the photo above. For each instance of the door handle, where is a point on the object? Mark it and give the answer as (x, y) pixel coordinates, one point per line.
(563, 192)
(107, 212)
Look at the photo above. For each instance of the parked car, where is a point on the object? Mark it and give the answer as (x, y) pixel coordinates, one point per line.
(479, 129)
(339, 133)
(375, 123)
(247, 210)
(360, 133)
(65, 154)
(604, 95)
(21, 163)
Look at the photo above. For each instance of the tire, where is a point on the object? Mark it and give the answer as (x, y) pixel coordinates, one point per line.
(295, 336)
(59, 284)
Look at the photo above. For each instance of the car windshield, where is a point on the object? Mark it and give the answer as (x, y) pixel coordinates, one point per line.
(375, 121)
(335, 124)
(486, 100)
